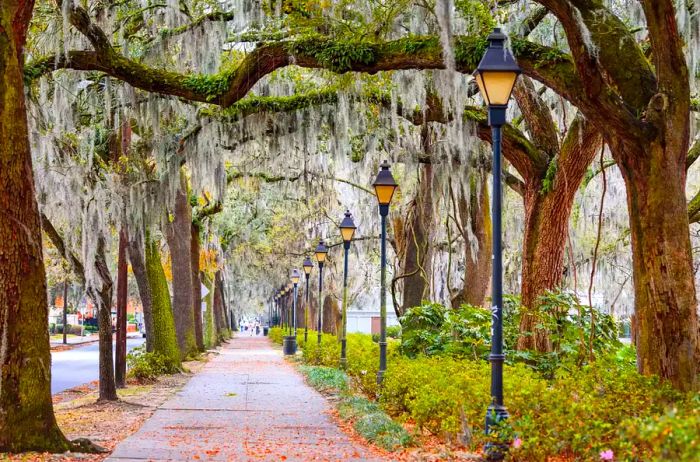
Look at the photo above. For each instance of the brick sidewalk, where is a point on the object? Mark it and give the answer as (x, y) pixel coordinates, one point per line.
(247, 404)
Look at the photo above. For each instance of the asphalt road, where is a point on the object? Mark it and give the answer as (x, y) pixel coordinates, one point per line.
(79, 366)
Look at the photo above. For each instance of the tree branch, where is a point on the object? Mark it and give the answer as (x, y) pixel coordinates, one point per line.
(57, 241)
(538, 117)
(667, 45)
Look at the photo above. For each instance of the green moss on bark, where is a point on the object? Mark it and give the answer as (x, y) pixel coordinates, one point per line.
(209, 329)
(164, 337)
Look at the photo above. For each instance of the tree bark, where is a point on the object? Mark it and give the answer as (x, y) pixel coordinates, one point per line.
(102, 297)
(547, 212)
(65, 312)
(666, 315)
(474, 212)
(138, 266)
(27, 420)
(217, 308)
(416, 256)
(122, 285)
(209, 326)
(179, 236)
(196, 287)
(164, 337)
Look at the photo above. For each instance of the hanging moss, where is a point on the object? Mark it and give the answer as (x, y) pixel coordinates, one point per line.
(164, 338)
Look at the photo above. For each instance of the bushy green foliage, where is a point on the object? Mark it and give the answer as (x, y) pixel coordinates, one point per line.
(276, 335)
(671, 436)
(325, 379)
(569, 323)
(432, 329)
(601, 406)
(373, 424)
(393, 331)
(577, 411)
(146, 367)
(362, 356)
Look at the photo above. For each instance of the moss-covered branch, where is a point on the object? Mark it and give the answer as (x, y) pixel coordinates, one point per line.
(551, 67)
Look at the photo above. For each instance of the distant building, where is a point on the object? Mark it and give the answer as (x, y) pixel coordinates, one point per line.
(368, 322)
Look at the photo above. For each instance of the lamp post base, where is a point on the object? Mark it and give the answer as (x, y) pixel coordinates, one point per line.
(497, 449)
(289, 346)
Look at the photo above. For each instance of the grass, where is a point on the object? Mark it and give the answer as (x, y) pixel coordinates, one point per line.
(325, 379)
(366, 416)
(374, 424)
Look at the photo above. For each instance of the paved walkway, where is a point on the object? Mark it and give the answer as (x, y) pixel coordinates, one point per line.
(247, 404)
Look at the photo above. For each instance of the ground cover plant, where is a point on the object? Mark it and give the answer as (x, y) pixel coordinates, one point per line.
(566, 403)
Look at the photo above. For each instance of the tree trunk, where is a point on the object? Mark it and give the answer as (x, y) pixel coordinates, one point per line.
(164, 337)
(138, 266)
(331, 314)
(102, 297)
(179, 237)
(65, 312)
(216, 309)
(27, 420)
(417, 250)
(219, 315)
(547, 215)
(546, 229)
(122, 285)
(665, 299)
(196, 287)
(474, 213)
(209, 327)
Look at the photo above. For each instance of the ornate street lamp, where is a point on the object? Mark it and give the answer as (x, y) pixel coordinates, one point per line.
(496, 76)
(290, 342)
(320, 253)
(308, 266)
(347, 229)
(384, 187)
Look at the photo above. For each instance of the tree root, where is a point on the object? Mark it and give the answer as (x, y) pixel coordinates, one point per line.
(86, 446)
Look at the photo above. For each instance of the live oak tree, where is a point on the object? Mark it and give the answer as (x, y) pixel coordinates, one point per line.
(639, 105)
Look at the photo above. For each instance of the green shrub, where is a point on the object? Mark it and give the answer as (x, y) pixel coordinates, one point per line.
(373, 424)
(671, 436)
(432, 329)
(325, 379)
(393, 332)
(146, 367)
(276, 335)
(603, 406)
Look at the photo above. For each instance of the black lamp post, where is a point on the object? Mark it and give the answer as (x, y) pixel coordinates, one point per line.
(308, 266)
(290, 342)
(289, 308)
(320, 253)
(496, 76)
(283, 312)
(384, 187)
(347, 229)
